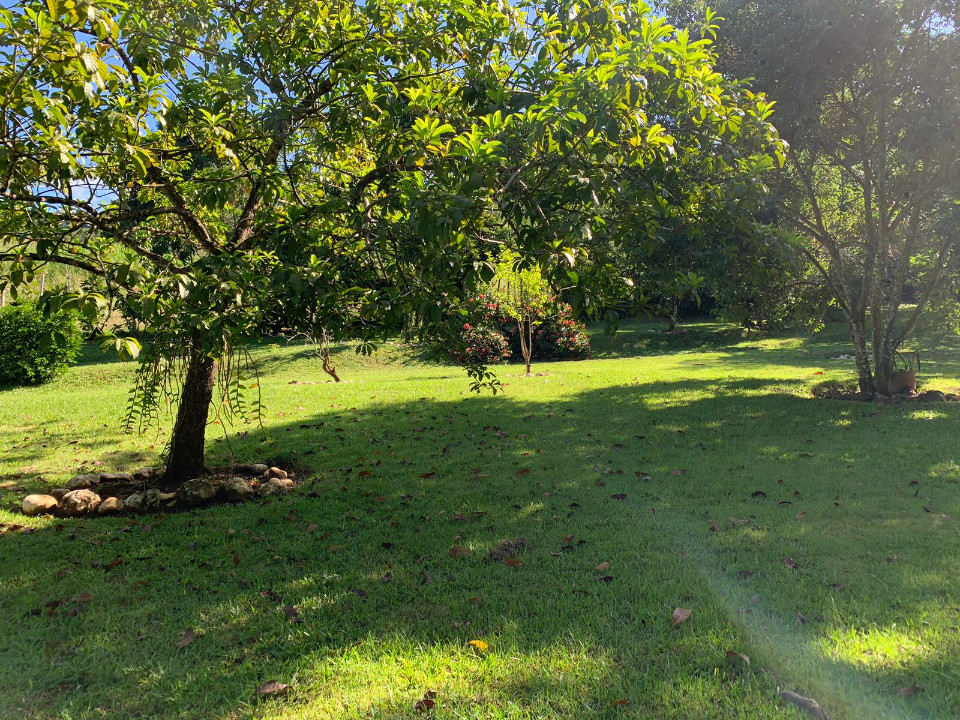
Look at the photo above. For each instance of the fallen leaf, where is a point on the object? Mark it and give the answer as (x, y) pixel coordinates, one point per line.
(459, 516)
(603, 566)
(745, 574)
(681, 615)
(522, 471)
(272, 687)
(618, 496)
(619, 703)
(677, 472)
(236, 559)
(908, 690)
(425, 703)
(428, 475)
(82, 597)
(758, 494)
(480, 645)
(188, 637)
(382, 498)
(459, 550)
(808, 704)
(801, 618)
(512, 562)
(311, 527)
(291, 612)
(734, 653)
(800, 516)
(790, 563)
(714, 526)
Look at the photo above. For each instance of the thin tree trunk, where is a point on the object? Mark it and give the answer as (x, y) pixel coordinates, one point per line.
(858, 335)
(185, 459)
(526, 342)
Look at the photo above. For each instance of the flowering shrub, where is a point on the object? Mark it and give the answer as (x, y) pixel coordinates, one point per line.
(484, 334)
(561, 337)
(480, 345)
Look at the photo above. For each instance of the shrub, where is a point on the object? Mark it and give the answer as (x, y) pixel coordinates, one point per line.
(560, 337)
(480, 345)
(482, 333)
(34, 348)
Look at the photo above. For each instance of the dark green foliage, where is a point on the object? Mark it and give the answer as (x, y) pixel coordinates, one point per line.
(34, 348)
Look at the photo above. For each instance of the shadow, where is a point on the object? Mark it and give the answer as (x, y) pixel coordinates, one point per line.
(383, 610)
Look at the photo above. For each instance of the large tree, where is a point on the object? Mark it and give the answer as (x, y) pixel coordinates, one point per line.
(218, 164)
(868, 96)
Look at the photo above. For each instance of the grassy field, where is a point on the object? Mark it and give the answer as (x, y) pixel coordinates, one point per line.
(818, 539)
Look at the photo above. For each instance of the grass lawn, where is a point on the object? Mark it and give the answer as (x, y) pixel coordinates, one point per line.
(819, 539)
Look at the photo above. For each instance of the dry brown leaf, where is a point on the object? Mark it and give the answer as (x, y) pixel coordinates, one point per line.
(603, 566)
(311, 527)
(677, 472)
(512, 562)
(619, 703)
(82, 597)
(459, 550)
(188, 637)
(272, 687)
(681, 615)
(808, 704)
(908, 691)
(734, 653)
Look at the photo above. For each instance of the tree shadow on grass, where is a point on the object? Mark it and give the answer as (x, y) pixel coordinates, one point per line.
(384, 612)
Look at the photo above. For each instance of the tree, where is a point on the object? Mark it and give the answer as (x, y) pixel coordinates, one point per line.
(336, 165)
(869, 98)
(523, 295)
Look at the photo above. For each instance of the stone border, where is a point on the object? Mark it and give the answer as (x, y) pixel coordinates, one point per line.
(81, 495)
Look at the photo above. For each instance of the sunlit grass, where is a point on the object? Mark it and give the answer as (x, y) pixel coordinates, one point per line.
(746, 471)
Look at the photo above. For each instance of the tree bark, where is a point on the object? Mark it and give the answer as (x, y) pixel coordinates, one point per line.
(858, 335)
(185, 459)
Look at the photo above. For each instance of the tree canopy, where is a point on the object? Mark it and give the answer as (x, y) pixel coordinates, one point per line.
(868, 96)
(336, 164)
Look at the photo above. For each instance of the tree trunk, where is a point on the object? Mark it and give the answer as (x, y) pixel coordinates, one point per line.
(858, 335)
(526, 341)
(883, 366)
(185, 459)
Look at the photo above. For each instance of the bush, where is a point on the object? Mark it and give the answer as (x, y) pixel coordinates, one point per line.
(34, 348)
(480, 345)
(560, 337)
(484, 334)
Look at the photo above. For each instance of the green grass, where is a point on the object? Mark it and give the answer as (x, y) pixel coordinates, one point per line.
(391, 455)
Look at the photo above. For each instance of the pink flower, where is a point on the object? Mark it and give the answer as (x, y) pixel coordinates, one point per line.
(466, 326)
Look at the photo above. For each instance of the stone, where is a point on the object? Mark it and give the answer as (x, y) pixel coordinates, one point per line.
(882, 399)
(952, 397)
(276, 485)
(134, 502)
(147, 500)
(59, 492)
(79, 502)
(38, 504)
(109, 506)
(196, 492)
(147, 473)
(82, 482)
(274, 472)
(116, 477)
(933, 396)
(236, 489)
(258, 468)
